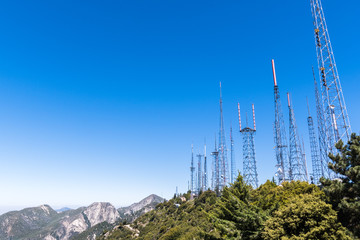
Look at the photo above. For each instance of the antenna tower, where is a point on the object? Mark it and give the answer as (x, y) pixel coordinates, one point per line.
(192, 170)
(283, 170)
(249, 164)
(205, 181)
(222, 150)
(336, 120)
(216, 172)
(317, 165)
(323, 143)
(297, 159)
(233, 166)
(199, 175)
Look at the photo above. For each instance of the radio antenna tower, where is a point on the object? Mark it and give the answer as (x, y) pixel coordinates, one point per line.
(283, 171)
(216, 172)
(297, 160)
(222, 149)
(323, 143)
(205, 185)
(317, 165)
(249, 164)
(233, 166)
(199, 175)
(192, 170)
(336, 120)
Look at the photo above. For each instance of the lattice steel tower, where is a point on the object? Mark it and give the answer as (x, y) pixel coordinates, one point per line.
(232, 158)
(317, 166)
(215, 172)
(323, 144)
(205, 180)
(223, 164)
(199, 175)
(249, 162)
(192, 171)
(297, 158)
(336, 119)
(281, 150)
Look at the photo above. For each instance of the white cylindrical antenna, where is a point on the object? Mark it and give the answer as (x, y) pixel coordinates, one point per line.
(220, 90)
(239, 116)
(253, 110)
(273, 69)
(205, 150)
(288, 97)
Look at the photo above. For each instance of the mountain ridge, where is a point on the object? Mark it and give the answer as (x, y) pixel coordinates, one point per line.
(43, 222)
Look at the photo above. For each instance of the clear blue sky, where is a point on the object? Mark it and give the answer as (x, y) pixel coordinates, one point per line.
(101, 100)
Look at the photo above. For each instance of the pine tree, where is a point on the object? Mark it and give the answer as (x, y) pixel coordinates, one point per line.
(305, 217)
(234, 216)
(344, 192)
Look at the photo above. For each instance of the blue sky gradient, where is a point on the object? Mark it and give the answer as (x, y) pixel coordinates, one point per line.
(100, 101)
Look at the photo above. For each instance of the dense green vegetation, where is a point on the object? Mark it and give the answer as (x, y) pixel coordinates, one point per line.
(344, 193)
(293, 210)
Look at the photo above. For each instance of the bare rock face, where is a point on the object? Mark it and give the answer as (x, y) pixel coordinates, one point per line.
(137, 209)
(45, 223)
(101, 212)
(84, 223)
(96, 213)
(18, 223)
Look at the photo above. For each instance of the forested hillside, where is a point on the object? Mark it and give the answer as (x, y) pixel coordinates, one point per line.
(292, 210)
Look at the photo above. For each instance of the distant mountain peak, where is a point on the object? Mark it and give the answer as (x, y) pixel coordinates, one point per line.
(43, 222)
(46, 208)
(137, 209)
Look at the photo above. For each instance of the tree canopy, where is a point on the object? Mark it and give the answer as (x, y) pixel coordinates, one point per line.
(344, 192)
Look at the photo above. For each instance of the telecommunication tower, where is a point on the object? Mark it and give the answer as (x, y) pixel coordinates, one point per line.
(317, 166)
(222, 149)
(205, 180)
(216, 172)
(283, 170)
(192, 170)
(297, 159)
(232, 158)
(323, 143)
(249, 162)
(336, 120)
(199, 175)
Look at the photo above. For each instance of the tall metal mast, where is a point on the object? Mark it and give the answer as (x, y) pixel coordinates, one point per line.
(222, 149)
(323, 143)
(192, 170)
(232, 158)
(283, 169)
(199, 175)
(336, 120)
(216, 172)
(315, 156)
(205, 180)
(297, 160)
(249, 162)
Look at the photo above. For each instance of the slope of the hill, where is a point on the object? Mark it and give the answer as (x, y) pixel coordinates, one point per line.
(127, 214)
(292, 209)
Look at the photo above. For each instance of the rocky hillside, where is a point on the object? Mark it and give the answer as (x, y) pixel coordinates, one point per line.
(127, 214)
(45, 223)
(19, 223)
(83, 223)
(72, 224)
(135, 210)
(240, 212)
